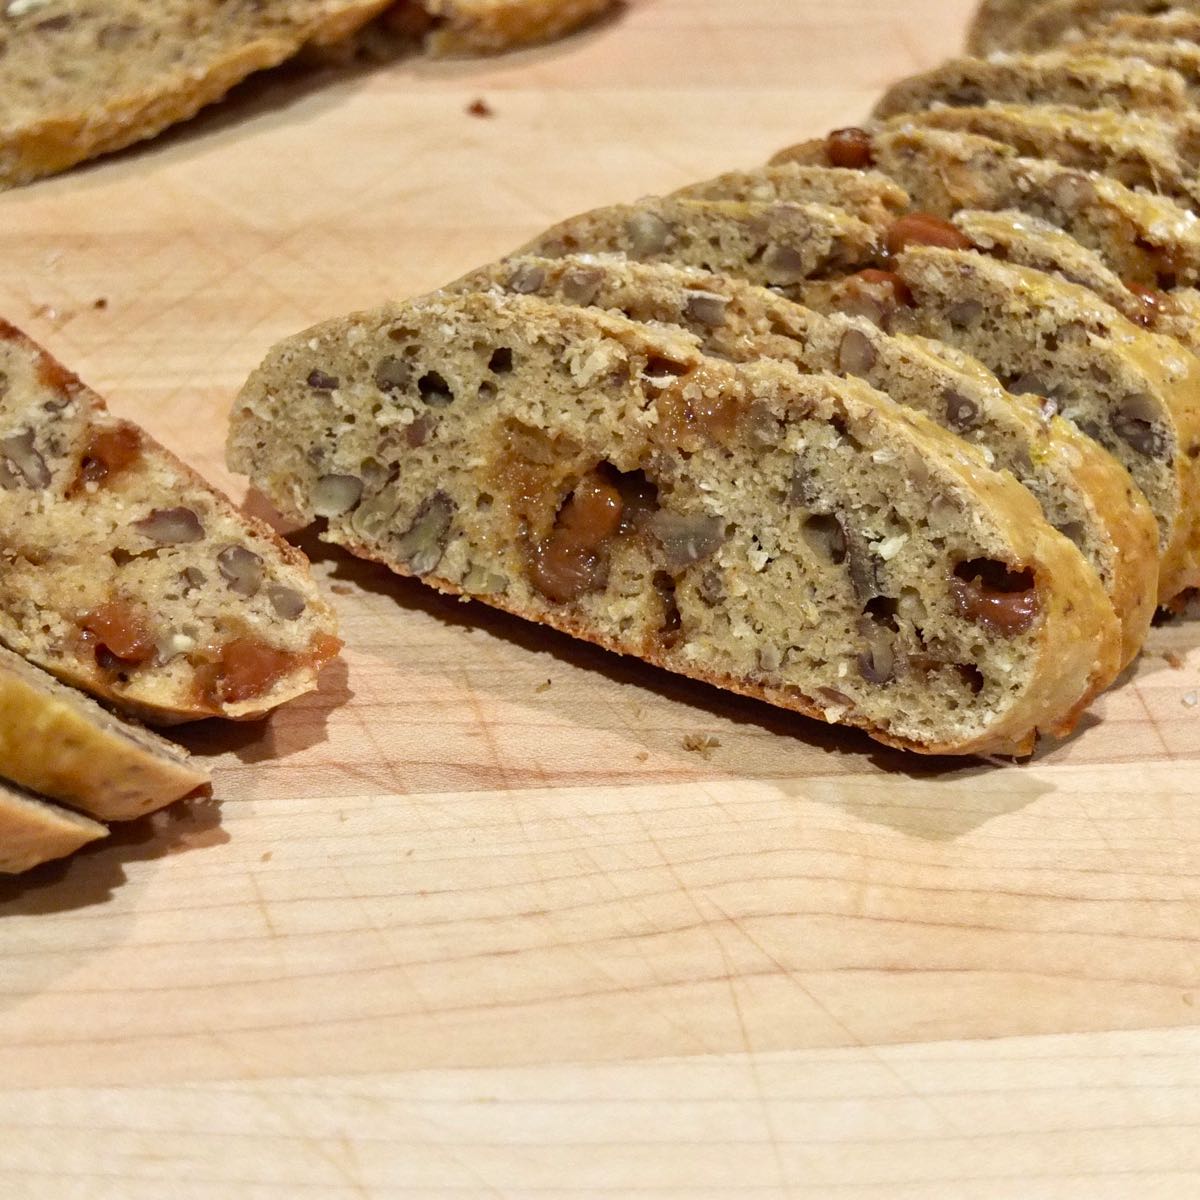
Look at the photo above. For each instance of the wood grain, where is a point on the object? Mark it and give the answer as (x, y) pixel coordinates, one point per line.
(451, 932)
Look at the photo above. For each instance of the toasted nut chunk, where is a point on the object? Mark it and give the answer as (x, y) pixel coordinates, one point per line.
(334, 495)
(171, 526)
(242, 570)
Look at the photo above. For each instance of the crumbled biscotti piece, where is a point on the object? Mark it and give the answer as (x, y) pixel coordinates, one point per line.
(1140, 152)
(125, 574)
(1059, 21)
(1136, 393)
(776, 245)
(864, 194)
(1081, 489)
(56, 741)
(33, 831)
(796, 537)
(457, 28)
(994, 21)
(1149, 241)
(77, 80)
(1086, 81)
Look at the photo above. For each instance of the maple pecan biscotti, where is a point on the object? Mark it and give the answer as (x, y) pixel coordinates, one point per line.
(56, 741)
(1061, 21)
(1149, 241)
(795, 537)
(124, 574)
(77, 80)
(33, 831)
(1081, 489)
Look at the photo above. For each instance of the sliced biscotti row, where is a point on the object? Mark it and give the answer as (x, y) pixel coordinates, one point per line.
(33, 831)
(56, 741)
(795, 537)
(1081, 489)
(1088, 81)
(1136, 393)
(1061, 21)
(775, 245)
(1149, 241)
(124, 574)
(1138, 398)
(79, 80)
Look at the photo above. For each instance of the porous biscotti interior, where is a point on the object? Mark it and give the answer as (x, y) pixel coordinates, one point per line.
(126, 575)
(794, 535)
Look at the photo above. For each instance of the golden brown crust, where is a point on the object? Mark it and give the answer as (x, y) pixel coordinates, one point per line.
(472, 27)
(33, 832)
(58, 743)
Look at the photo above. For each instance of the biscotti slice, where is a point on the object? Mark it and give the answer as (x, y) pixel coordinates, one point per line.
(80, 80)
(1175, 25)
(457, 28)
(1136, 393)
(1141, 152)
(1182, 57)
(33, 832)
(1071, 78)
(1081, 489)
(1150, 241)
(994, 22)
(775, 245)
(799, 538)
(56, 741)
(868, 195)
(1030, 242)
(124, 574)
(1055, 21)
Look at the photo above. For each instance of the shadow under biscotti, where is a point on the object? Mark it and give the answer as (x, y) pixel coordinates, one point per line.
(93, 874)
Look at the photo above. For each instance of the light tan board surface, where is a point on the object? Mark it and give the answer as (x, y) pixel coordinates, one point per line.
(455, 933)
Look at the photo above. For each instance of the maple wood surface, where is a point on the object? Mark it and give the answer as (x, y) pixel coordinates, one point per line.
(472, 921)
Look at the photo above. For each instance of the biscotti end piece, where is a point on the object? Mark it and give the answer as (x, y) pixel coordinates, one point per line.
(78, 81)
(61, 744)
(798, 538)
(33, 832)
(126, 575)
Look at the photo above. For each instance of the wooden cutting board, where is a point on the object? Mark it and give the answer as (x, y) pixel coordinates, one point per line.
(474, 920)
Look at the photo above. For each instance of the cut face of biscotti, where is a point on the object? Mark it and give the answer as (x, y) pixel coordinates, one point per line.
(124, 574)
(1134, 392)
(1148, 240)
(868, 195)
(775, 245)
(1080, 488)
(56, 741)
(456, 28)
(1140, 152)
(799, 538)
(1174, 25)
(1055, 21)
(33, 832)
(1182, 57)
(1071, 78)
(79, 80)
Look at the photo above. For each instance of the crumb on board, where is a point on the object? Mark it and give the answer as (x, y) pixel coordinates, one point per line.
(1173, 660)
(642, 755)
(543, 687)
(480, 108)
(1191, 699)
(267, 855)
(341, 589)
(100, 303)
(701, 743)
